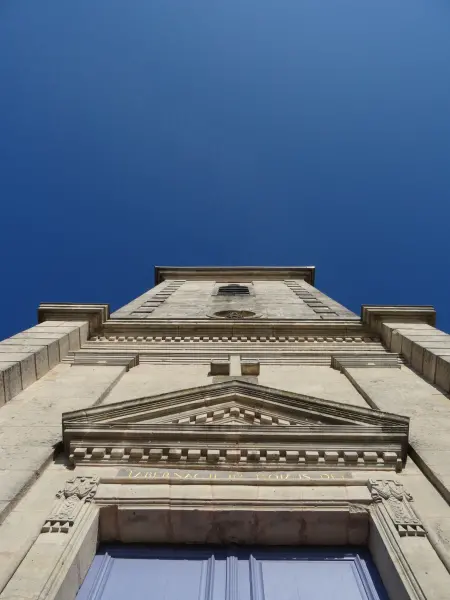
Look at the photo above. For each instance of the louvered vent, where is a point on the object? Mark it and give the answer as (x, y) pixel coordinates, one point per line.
(233, 290)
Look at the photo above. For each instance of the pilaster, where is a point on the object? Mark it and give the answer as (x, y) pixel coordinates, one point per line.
(410, 331)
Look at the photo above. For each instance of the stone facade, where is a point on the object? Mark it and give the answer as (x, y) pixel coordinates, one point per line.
(189, 416)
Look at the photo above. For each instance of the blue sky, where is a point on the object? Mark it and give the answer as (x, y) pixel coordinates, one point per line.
(228, 133)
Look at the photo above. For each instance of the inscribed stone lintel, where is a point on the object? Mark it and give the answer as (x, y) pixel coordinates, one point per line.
(219, 475)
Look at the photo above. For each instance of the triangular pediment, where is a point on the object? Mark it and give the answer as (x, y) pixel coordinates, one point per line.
(238, 401)
(235, 421)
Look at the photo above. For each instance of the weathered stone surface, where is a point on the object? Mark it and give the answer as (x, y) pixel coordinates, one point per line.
(30, 427)
(403, 392)
(29, 355)
(178, 355)
(12, 379)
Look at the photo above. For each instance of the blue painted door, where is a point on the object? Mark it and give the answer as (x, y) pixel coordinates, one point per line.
(183, 573)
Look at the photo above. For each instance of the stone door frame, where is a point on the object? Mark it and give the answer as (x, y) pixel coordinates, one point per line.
(353, 513)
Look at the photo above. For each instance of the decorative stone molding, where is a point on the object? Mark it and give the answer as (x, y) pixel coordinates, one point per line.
(256, 454)
(95, 314)
(236, 421)
(77, 491)
(219, 339)
(373, 315)
(398, 505)
(111, 359)
(216, 516)
(366, 361)
(220, 367)
(234, 274)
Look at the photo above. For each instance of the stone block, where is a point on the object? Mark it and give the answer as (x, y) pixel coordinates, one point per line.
(220, 367)
(406, 348)
(417, 357)
(350, 457)
(253, 455)
(43, 338)
(429, 365)
(311, 456)
(331, 457)
(63, 344)
(174, 454)
(74, 340)
(136, 453)
(233, 456)
(33, 345)
(396, 341)
(12, 379)
(250, 367)
(2, 390)
(117, 453)
(42, 362)
(444, 344)
(370, 457)
(193, 455)
(273, 455)
(27, 369)
(26, 362)
(292, 456)
(213, 456)
(98, 453)
(442, 377)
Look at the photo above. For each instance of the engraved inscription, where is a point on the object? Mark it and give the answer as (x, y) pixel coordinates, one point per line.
(185, 475)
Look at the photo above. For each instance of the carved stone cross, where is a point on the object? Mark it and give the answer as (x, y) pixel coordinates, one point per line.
(235, 366)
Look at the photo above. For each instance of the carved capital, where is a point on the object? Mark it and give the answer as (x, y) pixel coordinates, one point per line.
(76, 492)
(397, 502)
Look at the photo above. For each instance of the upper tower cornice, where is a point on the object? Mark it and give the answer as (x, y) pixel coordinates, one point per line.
(235, 274)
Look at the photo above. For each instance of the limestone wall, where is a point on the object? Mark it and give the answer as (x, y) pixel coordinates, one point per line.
(321, 382)
(290, 299)
(36, 388)
(30, 425)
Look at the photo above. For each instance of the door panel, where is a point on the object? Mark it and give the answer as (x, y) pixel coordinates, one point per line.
(301, 580)
(183, 573)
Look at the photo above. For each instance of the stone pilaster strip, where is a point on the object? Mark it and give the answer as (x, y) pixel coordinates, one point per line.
(410, 331)
(29, 355)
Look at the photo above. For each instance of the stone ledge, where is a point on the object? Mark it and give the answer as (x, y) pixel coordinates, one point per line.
(94, 314)
(29, 355)
(367, 361)
(374, 314)
(107, 359)
(234, 274)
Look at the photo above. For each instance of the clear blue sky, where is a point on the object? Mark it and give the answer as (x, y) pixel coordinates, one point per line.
(224, 132)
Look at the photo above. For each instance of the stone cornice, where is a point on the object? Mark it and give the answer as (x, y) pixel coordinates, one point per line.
(373, 314)
(367, 361)
(107, 359)
(256, 328)
(236, 423)
(94, 314)
(231, 274)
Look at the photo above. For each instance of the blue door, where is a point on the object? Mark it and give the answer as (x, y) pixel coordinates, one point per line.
(186, 573)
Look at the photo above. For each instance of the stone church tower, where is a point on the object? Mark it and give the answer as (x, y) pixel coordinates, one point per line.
(233, 434)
